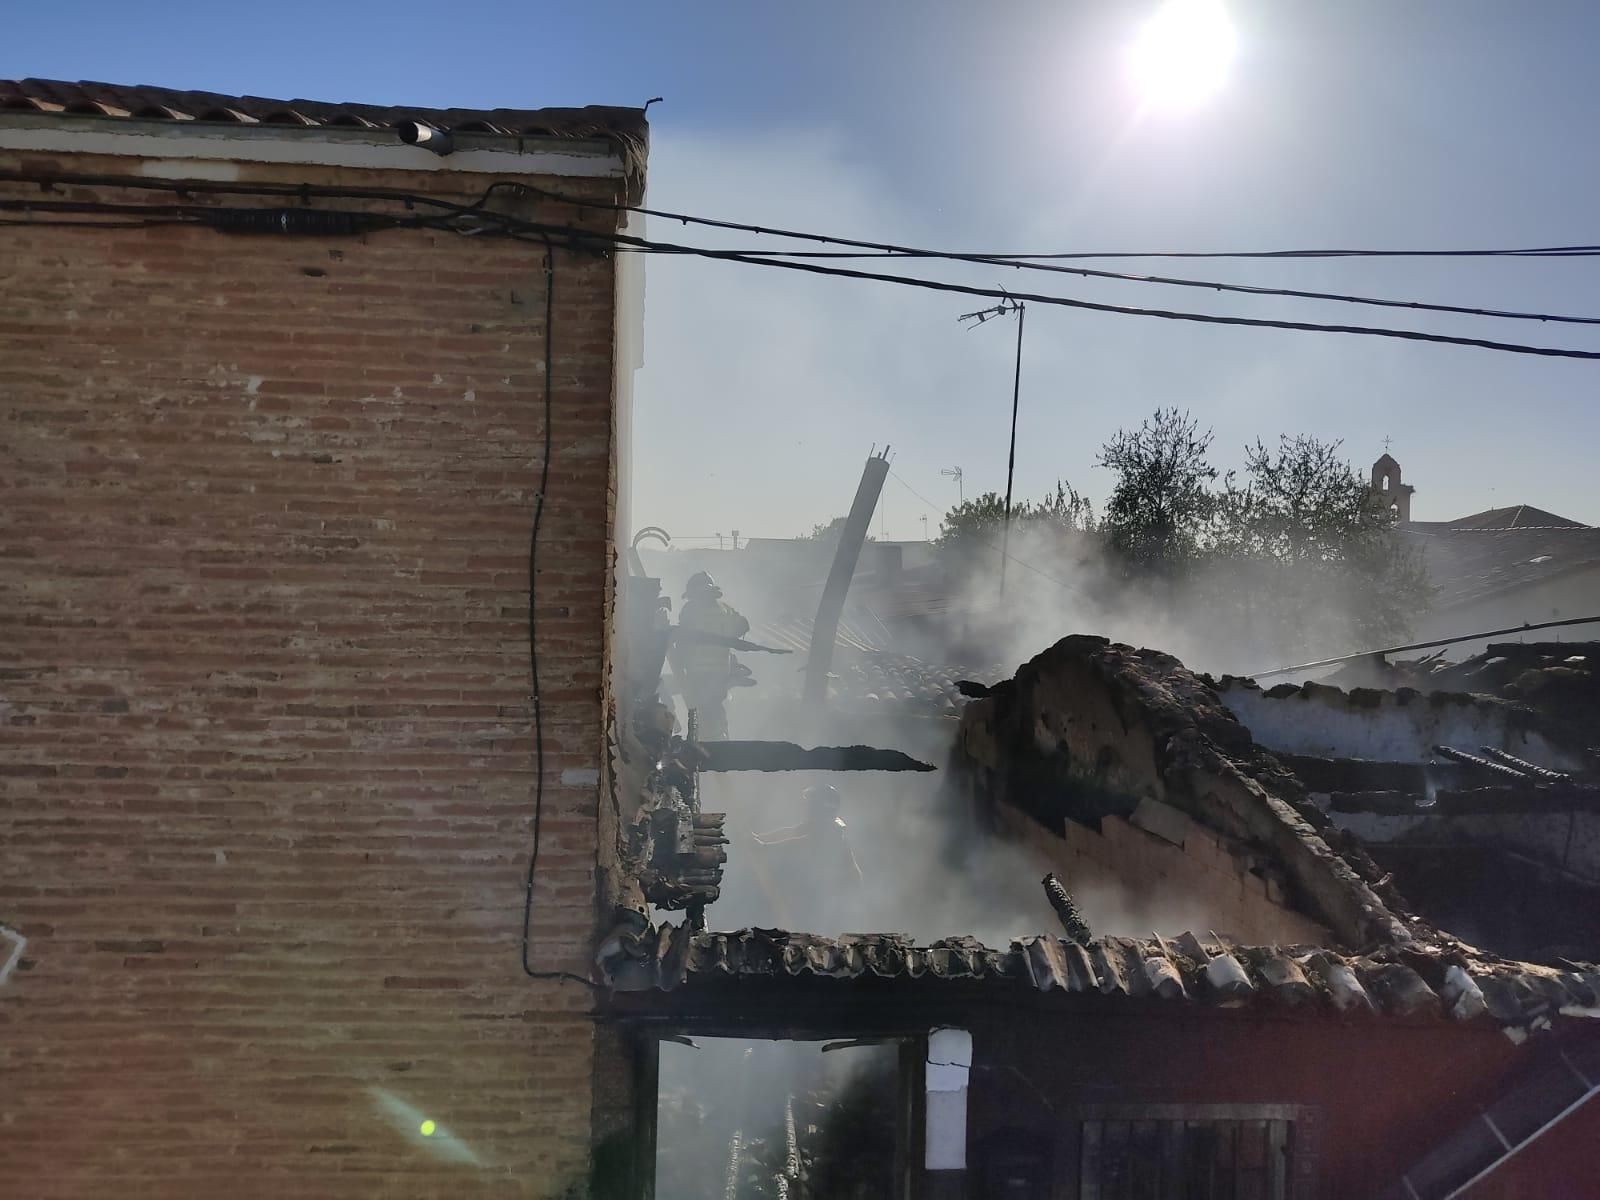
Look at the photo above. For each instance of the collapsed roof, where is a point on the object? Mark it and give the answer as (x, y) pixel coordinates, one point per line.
(1102, 756)
(1422, 983)
(1091, 731)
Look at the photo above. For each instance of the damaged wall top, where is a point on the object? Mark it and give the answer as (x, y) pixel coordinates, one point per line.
(1089, 729)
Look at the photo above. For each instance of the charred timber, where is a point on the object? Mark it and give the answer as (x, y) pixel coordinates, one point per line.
(825, 626)
(702, 637)
(1482, 764)
(786, 756)
(1561, 650)
(1519, 764)
(1528, 798)
(1071, 919)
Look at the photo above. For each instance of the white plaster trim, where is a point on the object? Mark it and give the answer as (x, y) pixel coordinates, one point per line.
(377, 150)
(949, 1065)
(18, 942)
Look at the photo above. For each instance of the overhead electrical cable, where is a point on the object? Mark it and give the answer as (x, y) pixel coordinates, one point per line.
(1043, 262)
(996, 293)
(476, 218)
(1173, 281)
(1048, 262)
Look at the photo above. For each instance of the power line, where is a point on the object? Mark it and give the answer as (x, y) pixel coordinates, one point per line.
(1578, 251)
(474, 218)
(1050, 262)
(1210, 285)
(1412, 335)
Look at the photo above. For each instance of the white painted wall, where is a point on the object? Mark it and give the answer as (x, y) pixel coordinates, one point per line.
(1329, 725)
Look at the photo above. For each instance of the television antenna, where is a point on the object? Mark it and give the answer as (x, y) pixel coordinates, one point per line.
(955, 473)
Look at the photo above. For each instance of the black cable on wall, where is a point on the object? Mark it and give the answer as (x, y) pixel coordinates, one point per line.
(533, 625)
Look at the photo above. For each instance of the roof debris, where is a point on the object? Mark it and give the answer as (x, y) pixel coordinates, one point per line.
(1446, 982)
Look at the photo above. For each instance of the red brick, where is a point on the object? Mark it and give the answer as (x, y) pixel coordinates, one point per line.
(266, 761)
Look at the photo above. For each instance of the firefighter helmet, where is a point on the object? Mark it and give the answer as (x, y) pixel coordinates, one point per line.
(701, 584)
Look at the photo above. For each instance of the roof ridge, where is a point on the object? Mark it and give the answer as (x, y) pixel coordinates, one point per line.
(67, 99)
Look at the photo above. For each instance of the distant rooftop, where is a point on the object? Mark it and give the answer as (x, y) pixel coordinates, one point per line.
(1518, 516)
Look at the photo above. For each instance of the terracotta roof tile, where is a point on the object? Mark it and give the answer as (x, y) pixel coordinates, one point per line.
(621, 125)
(1419, 983)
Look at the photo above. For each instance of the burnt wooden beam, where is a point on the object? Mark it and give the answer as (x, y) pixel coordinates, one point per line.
(1527, 798)
(1523, 765)
(1066, 911)
(787, 756)
(1481, 764)
(825, 628)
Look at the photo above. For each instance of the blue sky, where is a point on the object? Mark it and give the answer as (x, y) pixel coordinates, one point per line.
(1010, 126)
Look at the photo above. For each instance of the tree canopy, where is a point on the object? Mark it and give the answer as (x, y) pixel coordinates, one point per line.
(1291, 554)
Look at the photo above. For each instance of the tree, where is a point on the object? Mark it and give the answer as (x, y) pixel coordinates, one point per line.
(1159, 505)
(831, 532)
(980, 521)
(1310, 554)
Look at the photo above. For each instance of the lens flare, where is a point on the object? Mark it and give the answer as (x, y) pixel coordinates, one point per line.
(1183, 53)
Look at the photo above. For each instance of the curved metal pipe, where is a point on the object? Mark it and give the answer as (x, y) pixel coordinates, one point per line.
(429, 137)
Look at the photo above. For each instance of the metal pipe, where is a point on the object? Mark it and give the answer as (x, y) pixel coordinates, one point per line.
(429, 137)
(1464, 1188)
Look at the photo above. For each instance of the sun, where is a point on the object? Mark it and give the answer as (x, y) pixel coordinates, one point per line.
(1183, 53)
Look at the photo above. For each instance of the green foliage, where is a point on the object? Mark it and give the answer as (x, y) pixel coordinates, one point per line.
(1308, 547)
(831, 532)
(1294, 555)
(1162, 499)
(979, 521)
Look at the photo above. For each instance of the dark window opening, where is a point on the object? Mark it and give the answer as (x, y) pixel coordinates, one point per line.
(1137, 1159)
(748, 1120)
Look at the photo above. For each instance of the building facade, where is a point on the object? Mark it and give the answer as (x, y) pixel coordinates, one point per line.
(283, 392)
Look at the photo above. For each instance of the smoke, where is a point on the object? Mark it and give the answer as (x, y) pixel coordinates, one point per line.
(734, 1116)
(1218, 618)
(910, 857)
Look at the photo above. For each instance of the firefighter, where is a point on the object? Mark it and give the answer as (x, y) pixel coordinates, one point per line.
(704, 669)
(812, 860)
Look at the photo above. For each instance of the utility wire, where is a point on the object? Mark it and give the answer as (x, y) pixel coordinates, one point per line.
(1045, 262)
(533, 640)
(1411, 335)
(798, 235)
(1025, 261)
(1004, 553)
(491, 223)
(1209, 285)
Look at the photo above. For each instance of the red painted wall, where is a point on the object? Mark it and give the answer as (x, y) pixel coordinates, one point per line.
(1379, 1093)
(1564, 1164)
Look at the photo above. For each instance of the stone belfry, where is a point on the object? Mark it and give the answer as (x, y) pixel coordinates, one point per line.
(1387, 487)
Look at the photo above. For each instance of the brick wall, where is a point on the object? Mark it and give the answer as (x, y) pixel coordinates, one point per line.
(266, 769)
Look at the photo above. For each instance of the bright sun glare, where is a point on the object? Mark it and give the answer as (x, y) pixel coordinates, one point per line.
(1183, 53)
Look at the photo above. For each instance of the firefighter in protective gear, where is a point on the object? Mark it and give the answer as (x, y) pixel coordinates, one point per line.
(809, 870)
(704, 669)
